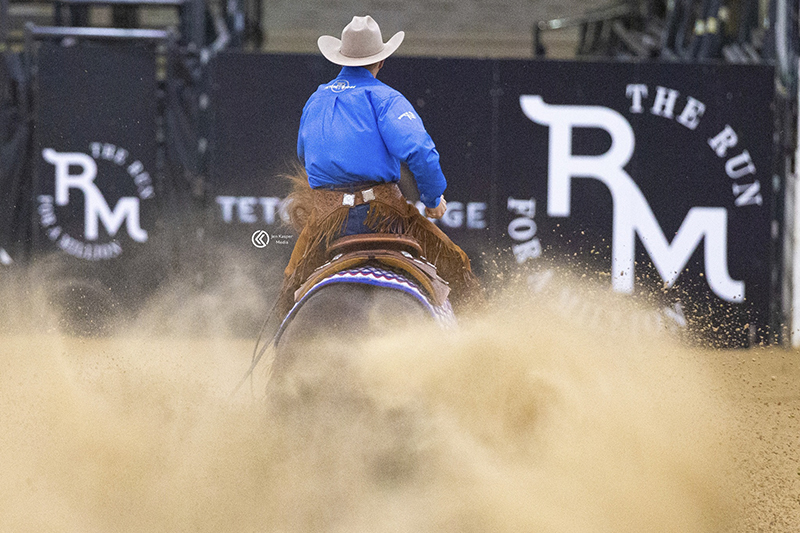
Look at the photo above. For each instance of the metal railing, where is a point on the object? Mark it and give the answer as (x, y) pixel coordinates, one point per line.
(594, 25)
(191, 14)
(33, 31)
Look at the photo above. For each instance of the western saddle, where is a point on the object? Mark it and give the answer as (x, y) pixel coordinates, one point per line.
(399, 253)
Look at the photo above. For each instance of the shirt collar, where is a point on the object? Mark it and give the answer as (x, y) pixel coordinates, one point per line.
(355, 72)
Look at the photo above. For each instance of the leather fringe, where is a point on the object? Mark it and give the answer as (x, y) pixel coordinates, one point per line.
(450, 260)
(402, 218)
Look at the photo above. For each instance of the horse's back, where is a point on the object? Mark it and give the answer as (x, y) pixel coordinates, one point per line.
(338, 316)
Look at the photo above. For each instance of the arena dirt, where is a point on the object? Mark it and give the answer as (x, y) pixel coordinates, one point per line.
(524, 419)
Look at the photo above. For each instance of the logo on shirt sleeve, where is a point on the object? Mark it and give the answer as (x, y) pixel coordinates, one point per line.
(409, 115)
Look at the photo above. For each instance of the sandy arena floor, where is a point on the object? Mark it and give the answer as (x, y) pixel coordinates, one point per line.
(523, 420)
(763, 387)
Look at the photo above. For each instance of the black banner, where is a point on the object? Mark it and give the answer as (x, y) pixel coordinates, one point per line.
(95, 151)
(651, 179)
(655, 179)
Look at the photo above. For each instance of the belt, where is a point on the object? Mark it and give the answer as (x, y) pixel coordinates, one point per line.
(326, 201)
(352, 186)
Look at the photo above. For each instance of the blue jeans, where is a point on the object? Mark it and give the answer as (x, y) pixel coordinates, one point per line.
(355, 221)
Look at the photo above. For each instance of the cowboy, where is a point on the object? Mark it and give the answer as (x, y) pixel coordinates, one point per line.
(354, 133)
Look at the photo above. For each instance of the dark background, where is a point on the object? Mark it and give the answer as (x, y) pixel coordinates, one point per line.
(489, 149)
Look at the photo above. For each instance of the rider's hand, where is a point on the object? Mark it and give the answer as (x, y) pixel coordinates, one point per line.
(438, 211)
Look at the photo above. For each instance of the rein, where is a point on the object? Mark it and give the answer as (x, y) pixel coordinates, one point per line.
(257, 354)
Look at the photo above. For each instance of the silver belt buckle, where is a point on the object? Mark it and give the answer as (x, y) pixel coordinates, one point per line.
(349, 199)
(368, 194)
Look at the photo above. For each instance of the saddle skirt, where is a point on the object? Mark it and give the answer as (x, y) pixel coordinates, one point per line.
(388, 261)
(381, 277)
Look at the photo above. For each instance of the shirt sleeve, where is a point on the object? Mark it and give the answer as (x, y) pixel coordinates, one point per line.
(406, 138)
(301, 149)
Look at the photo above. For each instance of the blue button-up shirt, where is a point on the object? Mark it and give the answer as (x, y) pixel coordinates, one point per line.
(358, 129)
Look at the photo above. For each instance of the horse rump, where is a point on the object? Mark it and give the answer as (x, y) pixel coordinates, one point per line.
(338, 318)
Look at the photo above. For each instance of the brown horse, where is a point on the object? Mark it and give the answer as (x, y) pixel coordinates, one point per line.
(368, 284)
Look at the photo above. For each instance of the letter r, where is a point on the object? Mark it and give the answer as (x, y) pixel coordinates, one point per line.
(66, 181)
(563, 165)
(608, 168)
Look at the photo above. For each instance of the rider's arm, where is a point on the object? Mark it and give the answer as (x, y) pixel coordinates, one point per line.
(301, 148)
(405, 137)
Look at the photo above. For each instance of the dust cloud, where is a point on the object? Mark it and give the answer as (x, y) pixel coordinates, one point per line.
(523, 419)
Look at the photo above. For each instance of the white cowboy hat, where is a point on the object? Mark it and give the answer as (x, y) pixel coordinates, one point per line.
(361, 44)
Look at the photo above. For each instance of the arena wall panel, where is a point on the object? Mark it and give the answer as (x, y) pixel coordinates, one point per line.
(650, 179)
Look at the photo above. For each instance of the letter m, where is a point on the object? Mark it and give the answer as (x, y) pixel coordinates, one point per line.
(631, 212)
(126, 210)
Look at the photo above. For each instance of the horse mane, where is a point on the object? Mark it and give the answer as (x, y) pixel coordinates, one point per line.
(297, 205)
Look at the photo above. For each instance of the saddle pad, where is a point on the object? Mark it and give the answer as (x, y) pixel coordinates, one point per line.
(373, 275)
